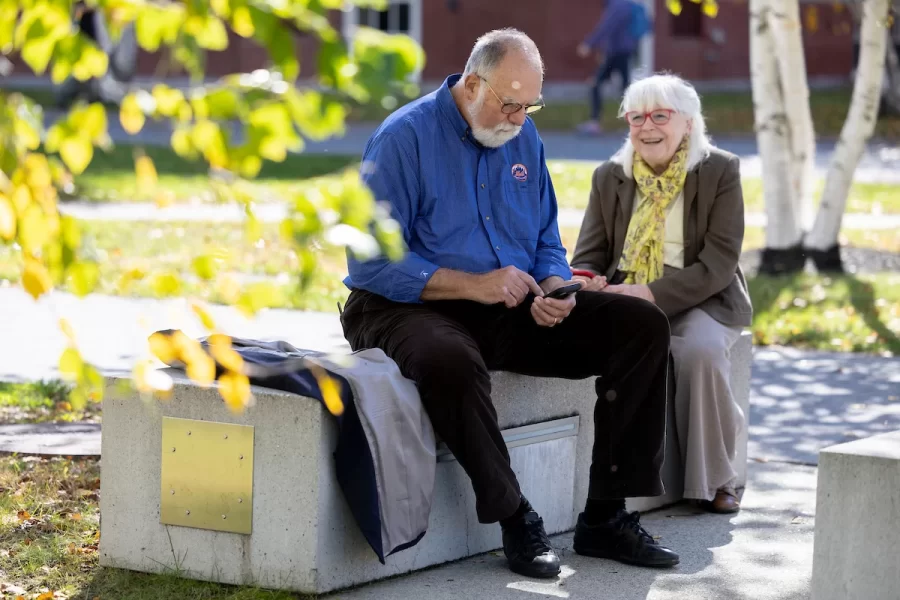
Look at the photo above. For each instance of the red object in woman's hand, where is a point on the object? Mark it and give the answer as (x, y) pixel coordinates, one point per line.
(583, 273)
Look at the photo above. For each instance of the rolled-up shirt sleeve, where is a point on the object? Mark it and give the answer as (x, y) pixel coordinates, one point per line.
(550, 255)
(391, 172)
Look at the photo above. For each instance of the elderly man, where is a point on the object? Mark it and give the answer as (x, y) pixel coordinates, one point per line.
(463, 169)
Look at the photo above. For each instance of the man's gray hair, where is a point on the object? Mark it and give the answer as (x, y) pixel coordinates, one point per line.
(491, 48)
(665, 90)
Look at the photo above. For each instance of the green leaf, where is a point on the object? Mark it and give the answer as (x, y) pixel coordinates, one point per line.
(166, 284)
(92, 63)
(281, 48)
(71, 364)
(91, 122)
(205, 267)
(37, 52)
(77, 153)
(257, 296)
(222, 104)
(83, 277)
(210, 140)
(208, 30)
(181, 142)
(169, 101)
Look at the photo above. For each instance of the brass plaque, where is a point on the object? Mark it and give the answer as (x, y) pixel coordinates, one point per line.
(207, 475)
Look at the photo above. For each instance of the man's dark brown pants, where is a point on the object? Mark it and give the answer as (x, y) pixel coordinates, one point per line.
(449, 348)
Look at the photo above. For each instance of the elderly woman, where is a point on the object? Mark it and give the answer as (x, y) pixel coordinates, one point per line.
(665, 223)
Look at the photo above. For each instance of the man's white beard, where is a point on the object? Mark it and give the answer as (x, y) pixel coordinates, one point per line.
(491, 137)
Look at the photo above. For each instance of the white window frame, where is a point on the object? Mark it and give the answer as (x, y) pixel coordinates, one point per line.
(349, 18)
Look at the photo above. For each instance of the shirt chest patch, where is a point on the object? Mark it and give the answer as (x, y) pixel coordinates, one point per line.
(519, 172)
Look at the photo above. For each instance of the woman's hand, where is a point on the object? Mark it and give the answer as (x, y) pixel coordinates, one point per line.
(591, 284)
(638, 290)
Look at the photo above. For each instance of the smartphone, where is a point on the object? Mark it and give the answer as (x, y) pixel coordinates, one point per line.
(564, 291)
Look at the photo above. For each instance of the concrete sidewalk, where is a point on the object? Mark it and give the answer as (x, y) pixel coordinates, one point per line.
(762, 553)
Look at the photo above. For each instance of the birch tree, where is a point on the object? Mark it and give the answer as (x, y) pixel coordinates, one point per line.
(783, 129)
(858, 128)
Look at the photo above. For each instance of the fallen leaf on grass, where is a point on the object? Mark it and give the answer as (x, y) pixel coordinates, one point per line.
(9, 588)
(75, 516)
(23, 515)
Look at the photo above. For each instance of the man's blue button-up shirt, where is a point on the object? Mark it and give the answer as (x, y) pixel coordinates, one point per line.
(460, 205)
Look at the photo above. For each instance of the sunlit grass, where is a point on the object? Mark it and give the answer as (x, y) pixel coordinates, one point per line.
(49, 536)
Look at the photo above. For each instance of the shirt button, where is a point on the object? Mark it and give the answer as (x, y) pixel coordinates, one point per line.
(613, 469)
(611, 396)
(497, 247)
(482, 186)
(487, 218)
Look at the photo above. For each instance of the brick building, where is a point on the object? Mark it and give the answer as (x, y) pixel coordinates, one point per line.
(706, 51)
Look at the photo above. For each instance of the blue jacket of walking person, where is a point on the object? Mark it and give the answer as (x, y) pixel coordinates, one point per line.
(614, 33)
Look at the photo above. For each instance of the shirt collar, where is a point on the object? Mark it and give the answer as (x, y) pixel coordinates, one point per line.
(449, 107)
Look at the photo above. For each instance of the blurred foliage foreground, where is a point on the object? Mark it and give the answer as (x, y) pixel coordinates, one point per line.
(273, 114)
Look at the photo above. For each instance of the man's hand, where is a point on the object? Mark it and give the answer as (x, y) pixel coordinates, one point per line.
(638, 290)
(508, 285)
(591, 284)
(548, 312)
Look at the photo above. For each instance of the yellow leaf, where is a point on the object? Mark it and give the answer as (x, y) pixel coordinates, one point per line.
(166, 284)
(241, 22)
(165, 198)
(34, 229)
(21, 198)
(163, 348)
(67, 330)
(235, 389)
(77, 153)
(71, 364)
(812, 18)
(74, 517)
(225, 355)
(130, 114)
(7, 218)
(674, 6)
(23, 515)
(45, 596)
(83, 277)
(203, 314)
(331, 393)
(36, 279)
(201, 368)
(710, 8)
(145, 172)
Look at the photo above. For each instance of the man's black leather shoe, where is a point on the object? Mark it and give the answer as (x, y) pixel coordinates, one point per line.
(623, 539)
(528, 549)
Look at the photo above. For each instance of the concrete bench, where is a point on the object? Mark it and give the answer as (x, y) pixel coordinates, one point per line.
(857, 517)
(303, 536)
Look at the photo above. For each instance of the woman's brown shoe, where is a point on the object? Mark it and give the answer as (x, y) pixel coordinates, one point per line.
(725, 502)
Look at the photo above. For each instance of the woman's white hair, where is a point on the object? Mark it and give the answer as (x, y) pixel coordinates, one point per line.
(672, 92)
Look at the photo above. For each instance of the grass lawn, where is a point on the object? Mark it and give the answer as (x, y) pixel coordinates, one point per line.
(40, 401)
(49, 535)
(110, 178)
(572, 183)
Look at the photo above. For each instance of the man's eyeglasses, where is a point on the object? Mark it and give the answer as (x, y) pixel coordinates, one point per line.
(659, 116)
(509, 108)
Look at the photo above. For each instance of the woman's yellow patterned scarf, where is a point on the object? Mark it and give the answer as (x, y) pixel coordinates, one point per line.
(642, 255)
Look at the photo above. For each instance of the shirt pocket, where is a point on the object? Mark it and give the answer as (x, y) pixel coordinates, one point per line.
(523, 209)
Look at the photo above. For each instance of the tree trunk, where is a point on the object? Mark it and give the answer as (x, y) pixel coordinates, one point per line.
(787, 33)
(858, 128)
(890, 96)
(783, 251)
